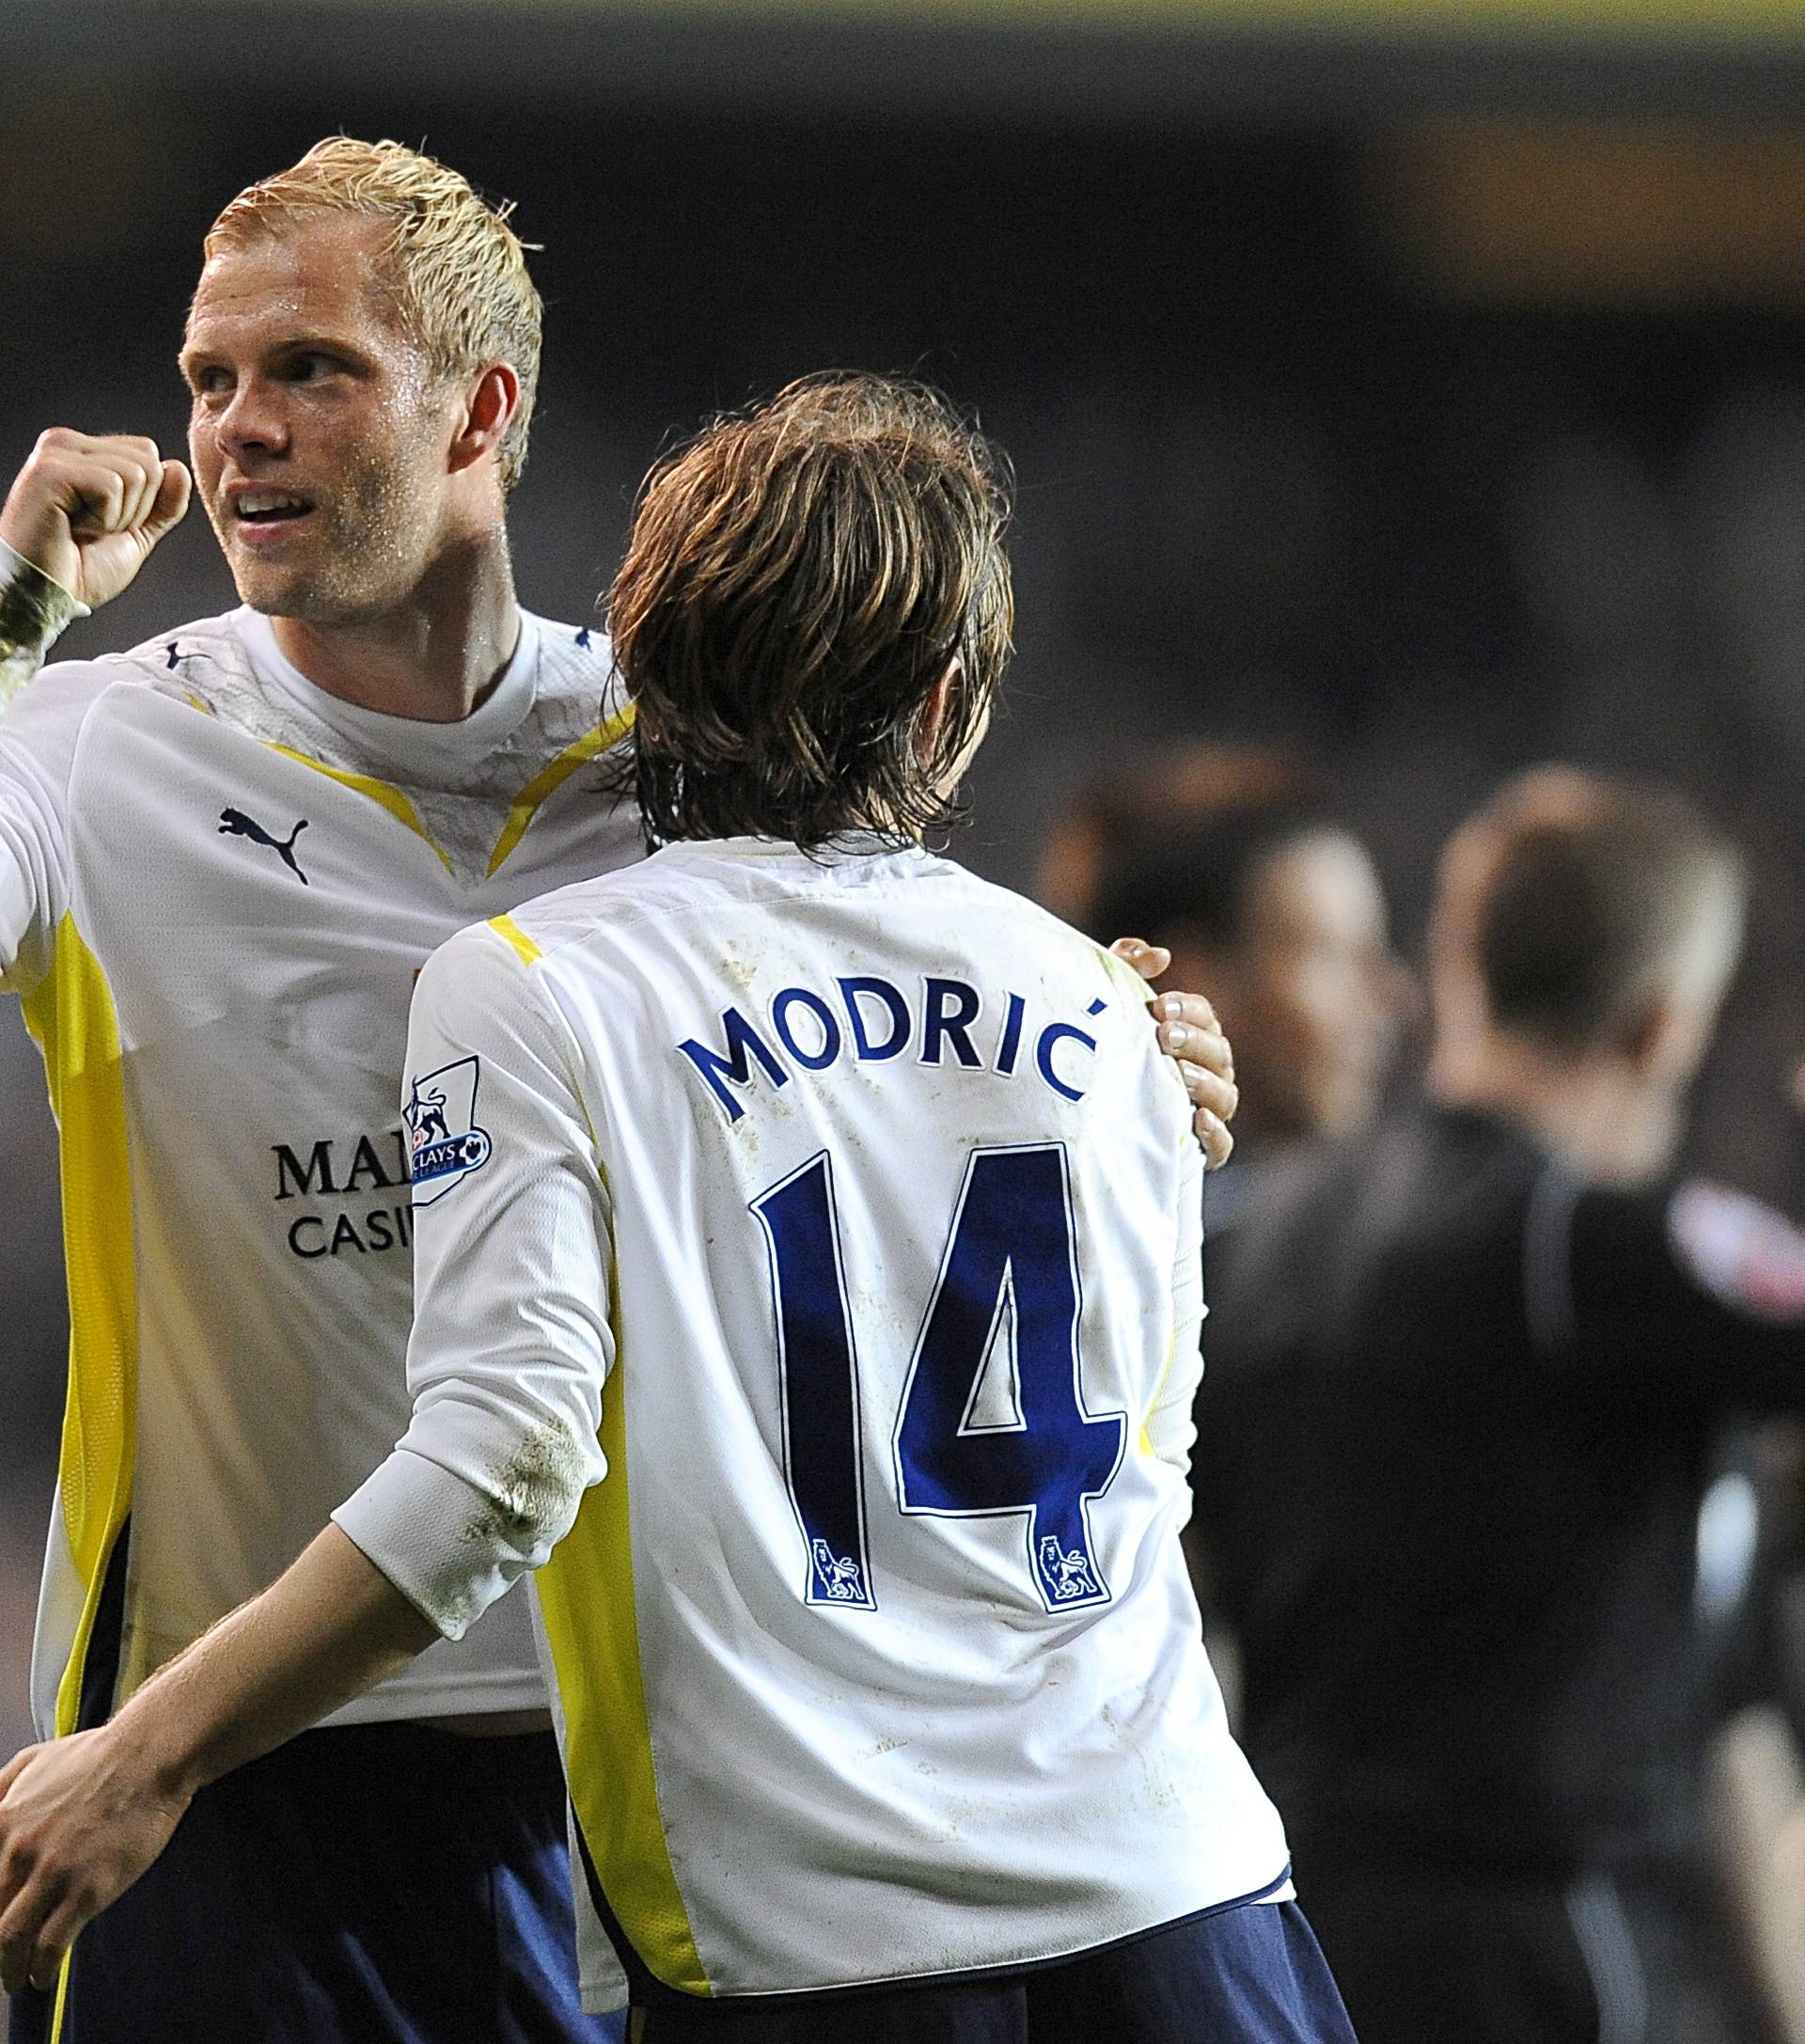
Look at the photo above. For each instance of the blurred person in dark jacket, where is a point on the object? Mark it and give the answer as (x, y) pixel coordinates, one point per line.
(1463, 1379)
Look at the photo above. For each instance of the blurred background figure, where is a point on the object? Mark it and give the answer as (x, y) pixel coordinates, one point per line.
(1232, 857)
(1465, 1378)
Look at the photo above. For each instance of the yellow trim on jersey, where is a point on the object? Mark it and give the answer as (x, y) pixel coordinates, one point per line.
(382, 793)
(62, 2000)
(1147, 1447)
(586, 1599)
(71, 1015)
(1159, 1385)
(547, 781)
(516, 939)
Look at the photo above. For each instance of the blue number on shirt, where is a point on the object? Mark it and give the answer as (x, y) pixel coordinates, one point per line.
(1010, 1276)
(1008, 1293)
(820, 1373)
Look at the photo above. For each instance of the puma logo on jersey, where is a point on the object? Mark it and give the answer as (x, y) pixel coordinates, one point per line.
(235, 824)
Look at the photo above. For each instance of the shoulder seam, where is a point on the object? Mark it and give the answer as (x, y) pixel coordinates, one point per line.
(516, 939)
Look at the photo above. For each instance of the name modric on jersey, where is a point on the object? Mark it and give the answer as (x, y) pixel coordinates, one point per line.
(869, 1020)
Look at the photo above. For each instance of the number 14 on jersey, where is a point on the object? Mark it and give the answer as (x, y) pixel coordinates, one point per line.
(1008, 1275)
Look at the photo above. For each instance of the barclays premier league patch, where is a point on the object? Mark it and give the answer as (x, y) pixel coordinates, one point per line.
(443, 1137)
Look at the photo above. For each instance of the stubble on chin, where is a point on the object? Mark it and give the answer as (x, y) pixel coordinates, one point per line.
(277, 592)
(261, 585)
(323, 586)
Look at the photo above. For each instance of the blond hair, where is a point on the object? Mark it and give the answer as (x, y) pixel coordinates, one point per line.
(456, 268)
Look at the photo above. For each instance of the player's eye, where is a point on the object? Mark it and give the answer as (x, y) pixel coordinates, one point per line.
(309, 368)
(209, 382)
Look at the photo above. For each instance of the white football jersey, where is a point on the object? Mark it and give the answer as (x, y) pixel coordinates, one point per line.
(218, 885)
(841, 1210)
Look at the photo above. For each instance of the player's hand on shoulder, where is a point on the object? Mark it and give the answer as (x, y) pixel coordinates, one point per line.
(1190, 1034)
(87, 509)
(80, 1819)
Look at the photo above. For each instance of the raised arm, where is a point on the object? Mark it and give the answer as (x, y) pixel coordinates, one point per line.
(35, 612)
(80, 520)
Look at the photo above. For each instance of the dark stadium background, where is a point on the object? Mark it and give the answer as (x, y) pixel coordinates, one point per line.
(1431, 394)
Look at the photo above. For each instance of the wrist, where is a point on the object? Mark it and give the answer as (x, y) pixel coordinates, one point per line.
(153, 1731)
(34, 609)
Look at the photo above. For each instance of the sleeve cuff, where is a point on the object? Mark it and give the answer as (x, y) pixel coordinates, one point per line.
(435, 1537)
(35, 611)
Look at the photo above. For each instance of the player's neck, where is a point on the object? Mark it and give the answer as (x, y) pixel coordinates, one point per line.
(1591, 1111)
(434, 657)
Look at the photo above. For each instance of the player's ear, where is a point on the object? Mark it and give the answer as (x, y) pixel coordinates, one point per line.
(489, 410)
(934, 710)
(1667, 1037)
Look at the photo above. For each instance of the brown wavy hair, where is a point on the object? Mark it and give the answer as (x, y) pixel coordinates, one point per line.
(799, 577)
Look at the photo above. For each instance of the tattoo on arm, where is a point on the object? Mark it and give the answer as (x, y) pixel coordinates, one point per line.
(35, 612)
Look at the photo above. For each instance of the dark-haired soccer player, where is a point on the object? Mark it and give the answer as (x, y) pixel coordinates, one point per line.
(1481, 1356)
(807, 1261)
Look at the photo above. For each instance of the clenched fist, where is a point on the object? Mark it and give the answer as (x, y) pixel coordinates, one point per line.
(87, 509)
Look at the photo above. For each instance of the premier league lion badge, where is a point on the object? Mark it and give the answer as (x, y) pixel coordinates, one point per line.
(446, 1143)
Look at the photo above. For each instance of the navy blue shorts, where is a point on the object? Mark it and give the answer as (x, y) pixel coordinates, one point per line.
(378, 1884)
(1251, 1974)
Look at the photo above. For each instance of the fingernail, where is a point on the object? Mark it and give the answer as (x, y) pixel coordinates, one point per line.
(1171, 1006)
(1177, 1036)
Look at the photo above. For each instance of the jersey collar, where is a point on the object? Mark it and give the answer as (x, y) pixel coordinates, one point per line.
(404, 749)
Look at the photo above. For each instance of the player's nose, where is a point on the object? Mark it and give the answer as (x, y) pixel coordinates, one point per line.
(252, 421)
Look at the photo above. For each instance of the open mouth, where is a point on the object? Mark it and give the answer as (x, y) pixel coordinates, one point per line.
(263, 509)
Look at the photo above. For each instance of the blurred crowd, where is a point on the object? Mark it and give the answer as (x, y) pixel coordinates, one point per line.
(1308, 567)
